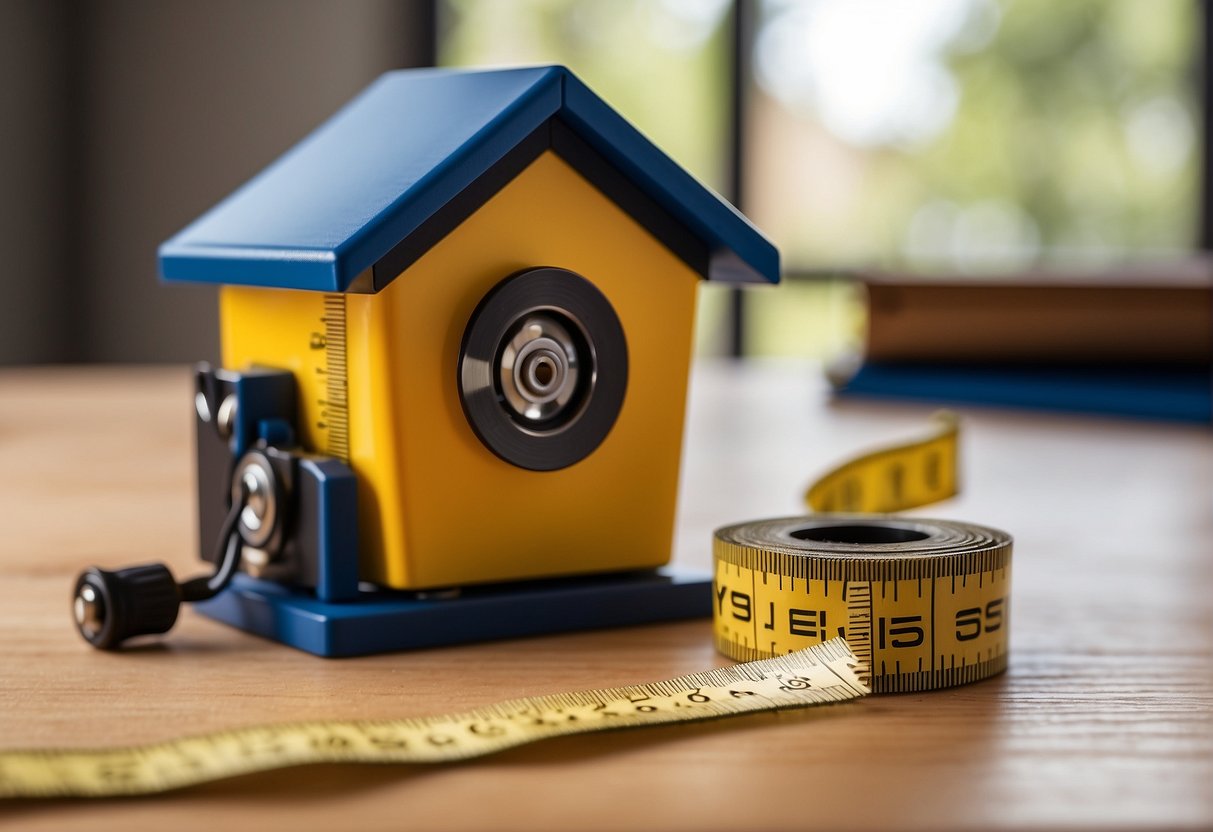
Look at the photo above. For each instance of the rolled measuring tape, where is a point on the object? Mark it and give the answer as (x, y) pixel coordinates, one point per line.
(923, 603)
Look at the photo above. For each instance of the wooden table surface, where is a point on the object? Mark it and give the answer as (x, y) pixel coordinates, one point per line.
(1104, 720)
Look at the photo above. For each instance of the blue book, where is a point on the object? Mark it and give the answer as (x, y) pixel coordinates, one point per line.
(1180, 393)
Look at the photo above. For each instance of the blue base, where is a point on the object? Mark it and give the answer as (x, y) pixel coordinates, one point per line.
(382, 621)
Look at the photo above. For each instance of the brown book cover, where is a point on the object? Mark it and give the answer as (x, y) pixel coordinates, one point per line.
(1144, 315)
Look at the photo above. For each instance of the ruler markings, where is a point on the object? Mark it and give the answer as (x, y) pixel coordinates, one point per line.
(335, 405)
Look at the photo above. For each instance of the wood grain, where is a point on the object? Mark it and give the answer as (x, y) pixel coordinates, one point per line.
(1104, 720)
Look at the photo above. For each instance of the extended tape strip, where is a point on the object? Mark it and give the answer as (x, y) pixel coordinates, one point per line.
(823, 674)
(923, 603)
(895, 478)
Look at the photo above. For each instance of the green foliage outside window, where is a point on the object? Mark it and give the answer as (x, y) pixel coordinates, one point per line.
(955, 136)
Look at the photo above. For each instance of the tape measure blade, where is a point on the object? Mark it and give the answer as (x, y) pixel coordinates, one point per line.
(821, 675)
(895, 478)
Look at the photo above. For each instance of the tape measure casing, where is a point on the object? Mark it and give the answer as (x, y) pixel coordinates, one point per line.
(924, 603)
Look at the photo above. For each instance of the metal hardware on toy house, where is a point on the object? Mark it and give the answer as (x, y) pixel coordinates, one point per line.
(456, 330)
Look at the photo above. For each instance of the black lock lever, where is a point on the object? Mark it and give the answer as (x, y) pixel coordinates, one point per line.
(110, 607)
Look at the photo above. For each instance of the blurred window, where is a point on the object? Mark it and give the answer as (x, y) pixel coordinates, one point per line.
(962, 136)
(974, 135)
(663, 64)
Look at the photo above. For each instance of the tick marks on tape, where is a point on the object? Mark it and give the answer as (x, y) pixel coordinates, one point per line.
(901, 631)
(824, 674)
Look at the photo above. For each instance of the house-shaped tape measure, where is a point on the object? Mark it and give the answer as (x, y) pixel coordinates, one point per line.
(483, 283)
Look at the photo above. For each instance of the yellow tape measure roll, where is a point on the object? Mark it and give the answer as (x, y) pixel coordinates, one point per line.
(824, 674)
(923, 603)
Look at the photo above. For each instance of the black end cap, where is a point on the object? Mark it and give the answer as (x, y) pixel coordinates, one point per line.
(110, 607)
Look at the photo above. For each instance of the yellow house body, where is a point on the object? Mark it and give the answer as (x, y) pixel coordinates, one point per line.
(463, 310)
(437, 508)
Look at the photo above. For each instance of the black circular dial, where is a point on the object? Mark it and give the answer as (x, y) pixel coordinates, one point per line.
(543, 369)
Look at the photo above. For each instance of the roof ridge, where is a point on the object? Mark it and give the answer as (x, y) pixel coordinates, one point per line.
(393, 159)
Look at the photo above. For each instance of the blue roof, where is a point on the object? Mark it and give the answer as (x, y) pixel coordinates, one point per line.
(369, 177)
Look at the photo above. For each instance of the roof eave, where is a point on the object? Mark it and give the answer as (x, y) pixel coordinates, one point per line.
(740, 253)
(310, 270)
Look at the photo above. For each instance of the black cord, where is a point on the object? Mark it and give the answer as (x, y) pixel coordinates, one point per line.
(229, 549)
(111, 607)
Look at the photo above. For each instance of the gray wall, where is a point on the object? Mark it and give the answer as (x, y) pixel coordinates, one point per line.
(123, 120)
(35, 171)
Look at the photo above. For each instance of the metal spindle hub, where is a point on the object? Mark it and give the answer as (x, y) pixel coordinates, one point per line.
(260, 513)
(539, 368)
(89, 610)
(543, 368)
